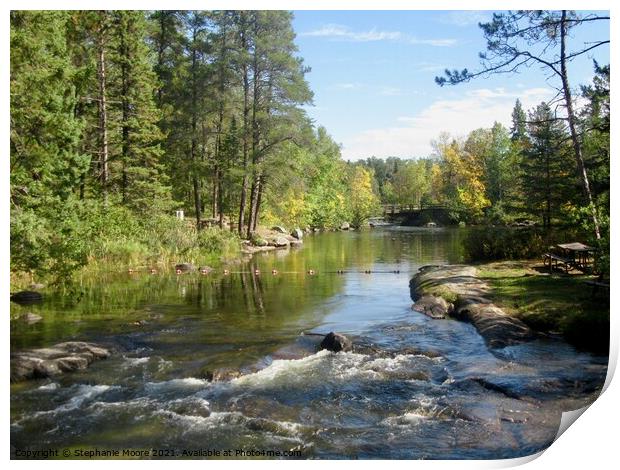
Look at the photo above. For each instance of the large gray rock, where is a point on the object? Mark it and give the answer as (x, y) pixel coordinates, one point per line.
(496, 327)
(336, 342)
(457, 291)
(26, 297)
(259, 241)
(297, 233)
(345, 226)
(279, 229)
(279, 242)
(434, 307)
(59, 358)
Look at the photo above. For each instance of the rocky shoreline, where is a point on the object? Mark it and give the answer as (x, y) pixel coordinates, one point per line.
(456, 291)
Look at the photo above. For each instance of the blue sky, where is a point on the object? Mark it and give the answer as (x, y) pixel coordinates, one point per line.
(373, 77)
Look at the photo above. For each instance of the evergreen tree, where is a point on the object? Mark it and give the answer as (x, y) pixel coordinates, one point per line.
(45, 159)
(546, 178)
(142, 183)
(278, 88)
(519, 126)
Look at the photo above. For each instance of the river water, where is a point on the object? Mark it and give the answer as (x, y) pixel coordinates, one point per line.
(413, 387)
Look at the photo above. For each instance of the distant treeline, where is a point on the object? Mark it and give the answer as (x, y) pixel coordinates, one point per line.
(500, 175)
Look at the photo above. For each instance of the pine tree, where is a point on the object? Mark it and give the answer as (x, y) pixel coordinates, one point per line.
(546, 175)
(519, 126)
(44, 136)
(141, 181)
(278, 88)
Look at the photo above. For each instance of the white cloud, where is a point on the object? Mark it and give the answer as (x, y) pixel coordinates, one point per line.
(411, 136)
(344, 33)
(432, 42)
(465, 17)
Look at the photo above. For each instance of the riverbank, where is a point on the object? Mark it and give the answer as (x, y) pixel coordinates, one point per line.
(160, 250)
(508, 301)
(555, 303)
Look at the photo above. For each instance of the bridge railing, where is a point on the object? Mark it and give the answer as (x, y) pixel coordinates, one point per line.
(392, 209)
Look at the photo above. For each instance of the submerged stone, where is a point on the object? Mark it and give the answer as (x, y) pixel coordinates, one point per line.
(336, 342)
(30, 318)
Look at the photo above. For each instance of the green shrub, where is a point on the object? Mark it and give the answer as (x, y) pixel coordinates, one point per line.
(504, 243)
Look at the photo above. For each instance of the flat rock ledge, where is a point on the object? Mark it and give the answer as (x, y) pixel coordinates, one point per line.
(57, 359)
(456, 291)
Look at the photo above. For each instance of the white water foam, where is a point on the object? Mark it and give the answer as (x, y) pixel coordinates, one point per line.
(49, 386)
(286, 430)
(189, 383)
(406, 419)
(327, 367)
(135, 361)
(83, 394)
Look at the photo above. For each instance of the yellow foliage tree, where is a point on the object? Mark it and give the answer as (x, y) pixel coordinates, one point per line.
(362, 200)
(464, 173)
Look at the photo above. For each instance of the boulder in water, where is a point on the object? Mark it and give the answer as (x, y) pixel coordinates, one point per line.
(336, 342)
(223, 374)
(297, 233)
(59, 358)
(345, 226)
(27, 297)
(434, 307)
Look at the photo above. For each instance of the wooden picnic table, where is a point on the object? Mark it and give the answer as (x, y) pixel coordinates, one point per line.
(578, 253)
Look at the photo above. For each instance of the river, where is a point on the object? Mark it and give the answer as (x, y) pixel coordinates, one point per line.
(414, 387)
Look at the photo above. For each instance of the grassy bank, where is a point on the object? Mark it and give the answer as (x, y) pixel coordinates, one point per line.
(113, 239)
(552, 303)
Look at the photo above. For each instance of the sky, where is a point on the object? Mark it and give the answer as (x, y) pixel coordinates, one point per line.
(372, 73)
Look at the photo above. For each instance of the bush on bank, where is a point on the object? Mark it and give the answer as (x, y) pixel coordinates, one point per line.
(88, 236)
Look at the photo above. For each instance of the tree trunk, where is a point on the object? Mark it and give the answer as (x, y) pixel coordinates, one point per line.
(103, 116)
(246, 111)
(581, 168)
(256, 73)
(547, 218)
(259, 201)
(195, 182)
(253, 202)
(124, 117)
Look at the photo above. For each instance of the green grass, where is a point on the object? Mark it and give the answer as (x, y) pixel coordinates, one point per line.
(551, 303)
